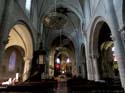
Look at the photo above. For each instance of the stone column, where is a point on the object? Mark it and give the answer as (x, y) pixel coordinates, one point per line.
(120, 55)
(119, 48)
(95, 68)
(3, 26)
(26, 68)
(50, 66)
(90, 69)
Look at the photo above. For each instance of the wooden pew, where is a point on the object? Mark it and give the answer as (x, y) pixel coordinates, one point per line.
(86, 86)
(45, 86)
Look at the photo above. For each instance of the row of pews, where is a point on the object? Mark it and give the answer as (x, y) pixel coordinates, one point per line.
(79, 85)
(44, 86)
(74, 85)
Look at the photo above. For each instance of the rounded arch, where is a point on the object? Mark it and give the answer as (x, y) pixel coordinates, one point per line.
(28, 28)
(23, 23)
(94, 28)
(64, 53)
(12, 62)
(17, 48)
(66, 49)
(100, 49)
(20, 35)
(97, 24)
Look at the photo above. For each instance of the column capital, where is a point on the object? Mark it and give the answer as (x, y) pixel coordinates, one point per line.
(27, 59)
(122, 29)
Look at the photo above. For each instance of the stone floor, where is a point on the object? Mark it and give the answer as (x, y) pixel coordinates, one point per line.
(62, 87)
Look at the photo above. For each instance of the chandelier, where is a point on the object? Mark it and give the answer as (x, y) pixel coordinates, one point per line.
(56, 18)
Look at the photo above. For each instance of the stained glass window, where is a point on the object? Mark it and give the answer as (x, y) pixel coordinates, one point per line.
(12, 61)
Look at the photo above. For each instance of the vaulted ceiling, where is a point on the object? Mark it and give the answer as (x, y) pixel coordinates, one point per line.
(64, 15)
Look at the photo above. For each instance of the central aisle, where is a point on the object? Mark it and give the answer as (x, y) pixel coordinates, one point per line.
(62, 87)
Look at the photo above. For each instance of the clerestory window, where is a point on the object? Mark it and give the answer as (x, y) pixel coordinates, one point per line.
(28, 6)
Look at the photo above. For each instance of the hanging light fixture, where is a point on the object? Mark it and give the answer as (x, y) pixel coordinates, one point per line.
(58, 60)
(56, 18)
(68, 60)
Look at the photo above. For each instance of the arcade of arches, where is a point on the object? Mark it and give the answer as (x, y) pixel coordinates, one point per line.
(78, 38)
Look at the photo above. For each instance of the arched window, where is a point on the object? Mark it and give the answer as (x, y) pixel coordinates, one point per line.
(28, 6)
(12, 61)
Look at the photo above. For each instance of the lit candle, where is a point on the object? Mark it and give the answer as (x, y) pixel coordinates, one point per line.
(17, 76)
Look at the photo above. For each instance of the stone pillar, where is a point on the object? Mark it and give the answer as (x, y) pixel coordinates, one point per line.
(84, 70)
(51, 66)
(119, 48)
(3, 26)
(90, 69)
(95, 68)
(27, 66)
(120, 55)
(46, 62)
